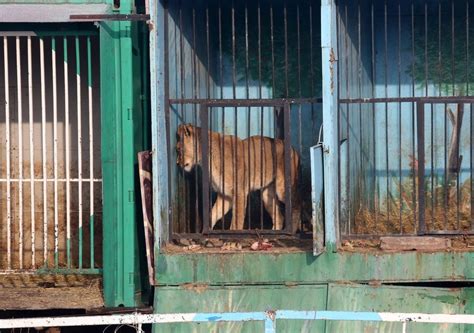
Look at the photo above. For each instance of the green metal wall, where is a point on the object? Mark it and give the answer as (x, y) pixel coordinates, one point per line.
(354, 297)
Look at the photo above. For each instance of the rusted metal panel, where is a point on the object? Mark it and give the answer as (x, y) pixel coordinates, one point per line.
(242, 268)
(394, 299)
(192, 298)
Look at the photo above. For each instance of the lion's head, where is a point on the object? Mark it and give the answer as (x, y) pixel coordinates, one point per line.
(187, 147)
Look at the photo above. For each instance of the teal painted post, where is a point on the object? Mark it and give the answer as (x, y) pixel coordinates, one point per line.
(330, 121)
(91, 153)
(121, 116)
(79, 121)
(66, 119)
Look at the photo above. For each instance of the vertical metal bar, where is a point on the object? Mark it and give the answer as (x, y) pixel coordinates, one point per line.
(234, 152)
(55, 151)
(208, 52)
(221, 76)
(434, 198)
(194, 93)
(249, 108)
(361, 180)
(413, 113)
(348, 95)
(68, 148)
(311, 65)
(79, 143)
(272, 49)
(467, 48)
(20, 151)
(285, 25)
(452, 48)
(287, 154)
(426, 49)
(426, 88)
(470, 167)
(399, 65)
(376, 187)
(270, 325)
(298, 40)
(208, 95)
(259, 24)
(187, 219)
(91, 152)
(432, 165)
(7, 149)
(387, 171)
(420, 118)
(439, 47)
(446, 178)
(43, 150)
(470, 118)
(205, 166)
(32, 161)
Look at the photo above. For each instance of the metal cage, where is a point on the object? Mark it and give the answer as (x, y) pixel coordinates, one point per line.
(247, 69)
(405, 108)
(50, 166)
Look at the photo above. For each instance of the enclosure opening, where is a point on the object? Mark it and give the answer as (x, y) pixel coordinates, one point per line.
(50, 171)
(243, 87)
(405, 108)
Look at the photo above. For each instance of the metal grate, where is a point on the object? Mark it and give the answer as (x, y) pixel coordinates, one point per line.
(249, 73)
(50, 169)
(405, 109)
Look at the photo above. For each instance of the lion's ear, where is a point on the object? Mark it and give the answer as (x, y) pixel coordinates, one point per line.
(188, 129)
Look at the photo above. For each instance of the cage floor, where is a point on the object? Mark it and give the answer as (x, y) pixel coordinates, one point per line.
(457, 243)
(240, 245)
(42, 292)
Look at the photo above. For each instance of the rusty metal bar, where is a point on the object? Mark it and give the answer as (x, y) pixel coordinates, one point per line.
(205, 168)
(256, 102)
(288, 165)
(420, 121)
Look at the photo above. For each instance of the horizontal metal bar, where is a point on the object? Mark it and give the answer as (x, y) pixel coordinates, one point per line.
(374, 237)
(449, 232)
(60, 271)
(142, 318)
(110, 17)
(459, 99)
(453, 234)
(232, 234)
(28, 180)
(246, 102)
(45, 33)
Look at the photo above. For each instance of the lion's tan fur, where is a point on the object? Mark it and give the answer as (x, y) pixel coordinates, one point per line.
(256, 163)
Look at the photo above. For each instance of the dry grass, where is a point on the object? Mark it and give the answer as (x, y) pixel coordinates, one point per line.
(444, 212)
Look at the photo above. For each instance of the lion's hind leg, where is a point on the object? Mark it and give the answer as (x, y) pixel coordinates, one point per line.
(271, 205)
(220, 208)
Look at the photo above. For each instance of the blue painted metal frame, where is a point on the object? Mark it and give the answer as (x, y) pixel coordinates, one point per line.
(158, 123)
(330, 122)
(269, 317)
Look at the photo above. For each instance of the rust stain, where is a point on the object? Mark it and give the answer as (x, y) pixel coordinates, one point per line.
(332, 60)
(196, 287)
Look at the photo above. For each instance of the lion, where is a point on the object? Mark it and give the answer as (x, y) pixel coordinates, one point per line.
(238, 167)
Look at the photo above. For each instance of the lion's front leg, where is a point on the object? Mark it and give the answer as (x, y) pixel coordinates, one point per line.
(238, 211)
(220, 208)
